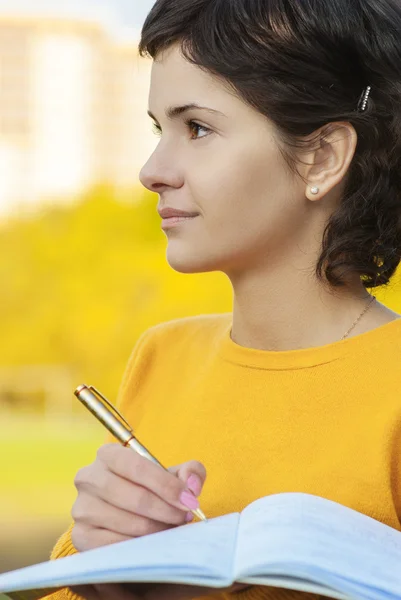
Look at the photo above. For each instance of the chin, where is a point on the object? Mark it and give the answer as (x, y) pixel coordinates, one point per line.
(185, 263)
(189, 267)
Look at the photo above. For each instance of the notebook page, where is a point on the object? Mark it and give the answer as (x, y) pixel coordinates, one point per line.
(200, 553)
(314, 538)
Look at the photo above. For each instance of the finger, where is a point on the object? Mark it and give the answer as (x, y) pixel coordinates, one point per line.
(87, 538)
(128, 496)
(192, 473)
(138, 470)
(96, 512)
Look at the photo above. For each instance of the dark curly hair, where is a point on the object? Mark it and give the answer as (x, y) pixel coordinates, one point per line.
(303, 64)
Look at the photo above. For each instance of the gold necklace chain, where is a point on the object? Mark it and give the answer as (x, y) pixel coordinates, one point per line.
(360, 316)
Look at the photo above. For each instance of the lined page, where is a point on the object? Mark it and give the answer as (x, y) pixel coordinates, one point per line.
(310, 537)
(200, 553)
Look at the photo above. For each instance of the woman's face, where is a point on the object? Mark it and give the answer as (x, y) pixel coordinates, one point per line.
(226, 166)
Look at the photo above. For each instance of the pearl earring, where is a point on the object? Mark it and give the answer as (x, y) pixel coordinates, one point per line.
(314, 190)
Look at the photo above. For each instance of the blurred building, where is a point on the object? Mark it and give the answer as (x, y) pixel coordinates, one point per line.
(72, 110)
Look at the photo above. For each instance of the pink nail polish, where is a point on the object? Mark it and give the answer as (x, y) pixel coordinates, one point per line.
(189, 500)
(194, 484)
(189, 517)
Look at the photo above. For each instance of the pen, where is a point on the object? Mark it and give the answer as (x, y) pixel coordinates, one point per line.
(107, 414)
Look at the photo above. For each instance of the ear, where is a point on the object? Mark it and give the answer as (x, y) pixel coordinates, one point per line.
(329, 162)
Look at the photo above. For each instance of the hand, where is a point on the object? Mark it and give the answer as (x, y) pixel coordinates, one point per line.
(123, 495)
(149, 591)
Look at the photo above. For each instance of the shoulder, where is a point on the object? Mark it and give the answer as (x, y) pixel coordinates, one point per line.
(199, 328)
(167, 346)
(179, 333)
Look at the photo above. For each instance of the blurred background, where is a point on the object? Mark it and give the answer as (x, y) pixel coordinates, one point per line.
(82, 255)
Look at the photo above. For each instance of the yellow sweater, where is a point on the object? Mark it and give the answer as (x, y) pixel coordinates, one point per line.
(323, 420)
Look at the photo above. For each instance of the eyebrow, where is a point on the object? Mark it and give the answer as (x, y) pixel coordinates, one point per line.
(173, 112)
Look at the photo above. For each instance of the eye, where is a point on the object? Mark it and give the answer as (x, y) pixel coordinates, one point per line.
(192, 125)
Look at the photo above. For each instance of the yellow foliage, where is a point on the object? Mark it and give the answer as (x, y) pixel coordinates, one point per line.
(81, 282)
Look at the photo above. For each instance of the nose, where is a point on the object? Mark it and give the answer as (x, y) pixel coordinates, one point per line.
(156, 175)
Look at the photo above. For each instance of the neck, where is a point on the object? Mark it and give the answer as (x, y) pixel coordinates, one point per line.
(294, 313)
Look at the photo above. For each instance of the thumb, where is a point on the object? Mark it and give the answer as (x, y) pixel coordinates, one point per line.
(192, 473)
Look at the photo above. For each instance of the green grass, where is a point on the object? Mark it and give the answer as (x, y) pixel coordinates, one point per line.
(40, 460)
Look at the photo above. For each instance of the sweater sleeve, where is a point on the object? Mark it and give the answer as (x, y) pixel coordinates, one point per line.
(64, 546)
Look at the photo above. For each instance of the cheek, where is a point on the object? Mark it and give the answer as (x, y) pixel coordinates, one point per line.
(239, 189)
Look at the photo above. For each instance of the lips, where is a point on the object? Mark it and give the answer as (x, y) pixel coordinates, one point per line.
(166, 212)
(176, 221)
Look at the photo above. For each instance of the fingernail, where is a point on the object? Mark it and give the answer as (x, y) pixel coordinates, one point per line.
(189, 517)
(194, 484)
(189, 500)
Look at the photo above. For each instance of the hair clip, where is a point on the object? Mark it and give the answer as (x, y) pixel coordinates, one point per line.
(363, 100)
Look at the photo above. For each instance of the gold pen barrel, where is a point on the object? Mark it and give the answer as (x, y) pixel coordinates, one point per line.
(137, 446)
(97, 408)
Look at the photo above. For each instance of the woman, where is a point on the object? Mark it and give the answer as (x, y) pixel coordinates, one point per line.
(281, 140)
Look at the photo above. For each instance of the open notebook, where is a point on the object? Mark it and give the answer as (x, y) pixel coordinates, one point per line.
(291, 540)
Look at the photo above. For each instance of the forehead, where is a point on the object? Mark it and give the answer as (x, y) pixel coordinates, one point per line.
(174, 77)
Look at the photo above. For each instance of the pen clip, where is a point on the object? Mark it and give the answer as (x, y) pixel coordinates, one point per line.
(113, 408)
